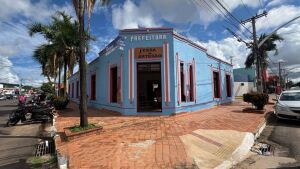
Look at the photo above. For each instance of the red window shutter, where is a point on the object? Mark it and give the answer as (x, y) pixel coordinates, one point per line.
(93, 87)
(73, 90)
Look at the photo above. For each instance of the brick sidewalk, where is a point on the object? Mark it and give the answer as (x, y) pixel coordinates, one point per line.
(147, 141)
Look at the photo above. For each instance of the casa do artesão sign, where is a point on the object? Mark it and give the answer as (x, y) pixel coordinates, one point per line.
(148, 53)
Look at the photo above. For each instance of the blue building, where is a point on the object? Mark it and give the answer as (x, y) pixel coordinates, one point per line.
(155, 72)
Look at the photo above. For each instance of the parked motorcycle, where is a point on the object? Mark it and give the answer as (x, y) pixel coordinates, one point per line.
(31, 113)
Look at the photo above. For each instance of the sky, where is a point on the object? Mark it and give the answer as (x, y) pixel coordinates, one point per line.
(200, 20)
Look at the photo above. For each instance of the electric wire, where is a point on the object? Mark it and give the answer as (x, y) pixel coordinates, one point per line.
(231, 15)
(229, 20)
(207, 6)
(247, 9)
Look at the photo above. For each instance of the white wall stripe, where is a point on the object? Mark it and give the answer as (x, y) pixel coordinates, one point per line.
(132, 73)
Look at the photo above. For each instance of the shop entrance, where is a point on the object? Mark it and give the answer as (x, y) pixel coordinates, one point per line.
(149, 87)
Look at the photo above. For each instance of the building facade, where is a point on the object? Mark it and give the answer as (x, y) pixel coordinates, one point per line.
(244, 81)
(155, 72)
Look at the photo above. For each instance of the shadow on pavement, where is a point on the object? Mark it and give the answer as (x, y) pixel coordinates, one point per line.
(21, 165)
(73, 111)
(9, 105)
(274, 121)
(10, 136)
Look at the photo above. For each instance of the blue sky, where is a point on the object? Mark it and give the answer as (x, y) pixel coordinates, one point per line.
(199, 20)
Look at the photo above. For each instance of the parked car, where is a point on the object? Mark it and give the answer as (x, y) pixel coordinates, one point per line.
(9, 96)
(15, 96)
(295, 88)
(2, 97)
(288, 105)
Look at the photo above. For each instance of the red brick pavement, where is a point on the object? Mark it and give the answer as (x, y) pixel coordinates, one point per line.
(147, 141)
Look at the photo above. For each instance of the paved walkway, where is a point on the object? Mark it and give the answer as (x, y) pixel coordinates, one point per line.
(148, 142)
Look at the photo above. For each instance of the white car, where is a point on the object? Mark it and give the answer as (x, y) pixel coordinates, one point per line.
(288, 105)
(2, 97)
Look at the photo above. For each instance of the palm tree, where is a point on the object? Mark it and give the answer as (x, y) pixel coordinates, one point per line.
(63, 42)
(80, 6)
(45, 56)
(267, 46)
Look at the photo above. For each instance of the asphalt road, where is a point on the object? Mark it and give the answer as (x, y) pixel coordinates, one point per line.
(17, 143)
(284, 138)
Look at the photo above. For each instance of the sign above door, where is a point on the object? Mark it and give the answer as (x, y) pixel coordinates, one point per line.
(148, 53)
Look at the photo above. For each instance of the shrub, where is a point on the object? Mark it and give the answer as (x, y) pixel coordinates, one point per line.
(48, 88)
(51, 97)
(259, 100)
(60, 102)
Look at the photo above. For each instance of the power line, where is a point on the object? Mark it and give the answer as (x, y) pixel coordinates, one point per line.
(225, 16)
(230, 14)
(247, 9)
(211, 9)
(261, 4)
(288, 33)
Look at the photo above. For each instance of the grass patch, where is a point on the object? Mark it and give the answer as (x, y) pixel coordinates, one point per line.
(186, 166)
(78, 128)
(38, 162)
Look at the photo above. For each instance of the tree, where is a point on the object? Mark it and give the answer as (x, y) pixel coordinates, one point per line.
(268, 45)
(45, 55)
(80, 7)
(48, 88)
(62, 48)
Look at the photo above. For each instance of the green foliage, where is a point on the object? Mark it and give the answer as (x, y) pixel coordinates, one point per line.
(259, 100)
(37, 162)
(78, 128)
(48, 88)
(51, 96)
(60, 102)
(268, 45)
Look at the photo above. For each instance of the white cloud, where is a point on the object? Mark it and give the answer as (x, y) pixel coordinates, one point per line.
(15, 41)
(149, 13)
(131, 16)
(6, 74)
(278, 16)
(34, 11)
(289, 49)
(273, 3)
(226, 48)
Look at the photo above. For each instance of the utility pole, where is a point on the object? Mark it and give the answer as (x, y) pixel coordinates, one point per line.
(255, 50)
(280, 72)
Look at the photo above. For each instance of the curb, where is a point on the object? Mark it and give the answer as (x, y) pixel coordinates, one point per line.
(62, 162)
(243, 149)
(239, 153)
(262, 126)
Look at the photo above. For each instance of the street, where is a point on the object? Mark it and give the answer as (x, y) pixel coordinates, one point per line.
(17, 143)
(283, 136)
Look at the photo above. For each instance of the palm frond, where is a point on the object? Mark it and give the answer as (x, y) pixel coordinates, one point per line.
(76, 7)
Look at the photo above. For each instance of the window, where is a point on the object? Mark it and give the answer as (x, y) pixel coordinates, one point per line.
(72, 90)
(114, 84)
(93, 87)
(216, 80)
(191, 71)
(77, 89)
(228, 85)
(182, 82)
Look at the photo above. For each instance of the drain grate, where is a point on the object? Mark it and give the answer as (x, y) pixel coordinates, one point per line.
(45, 147)
(262, 149)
